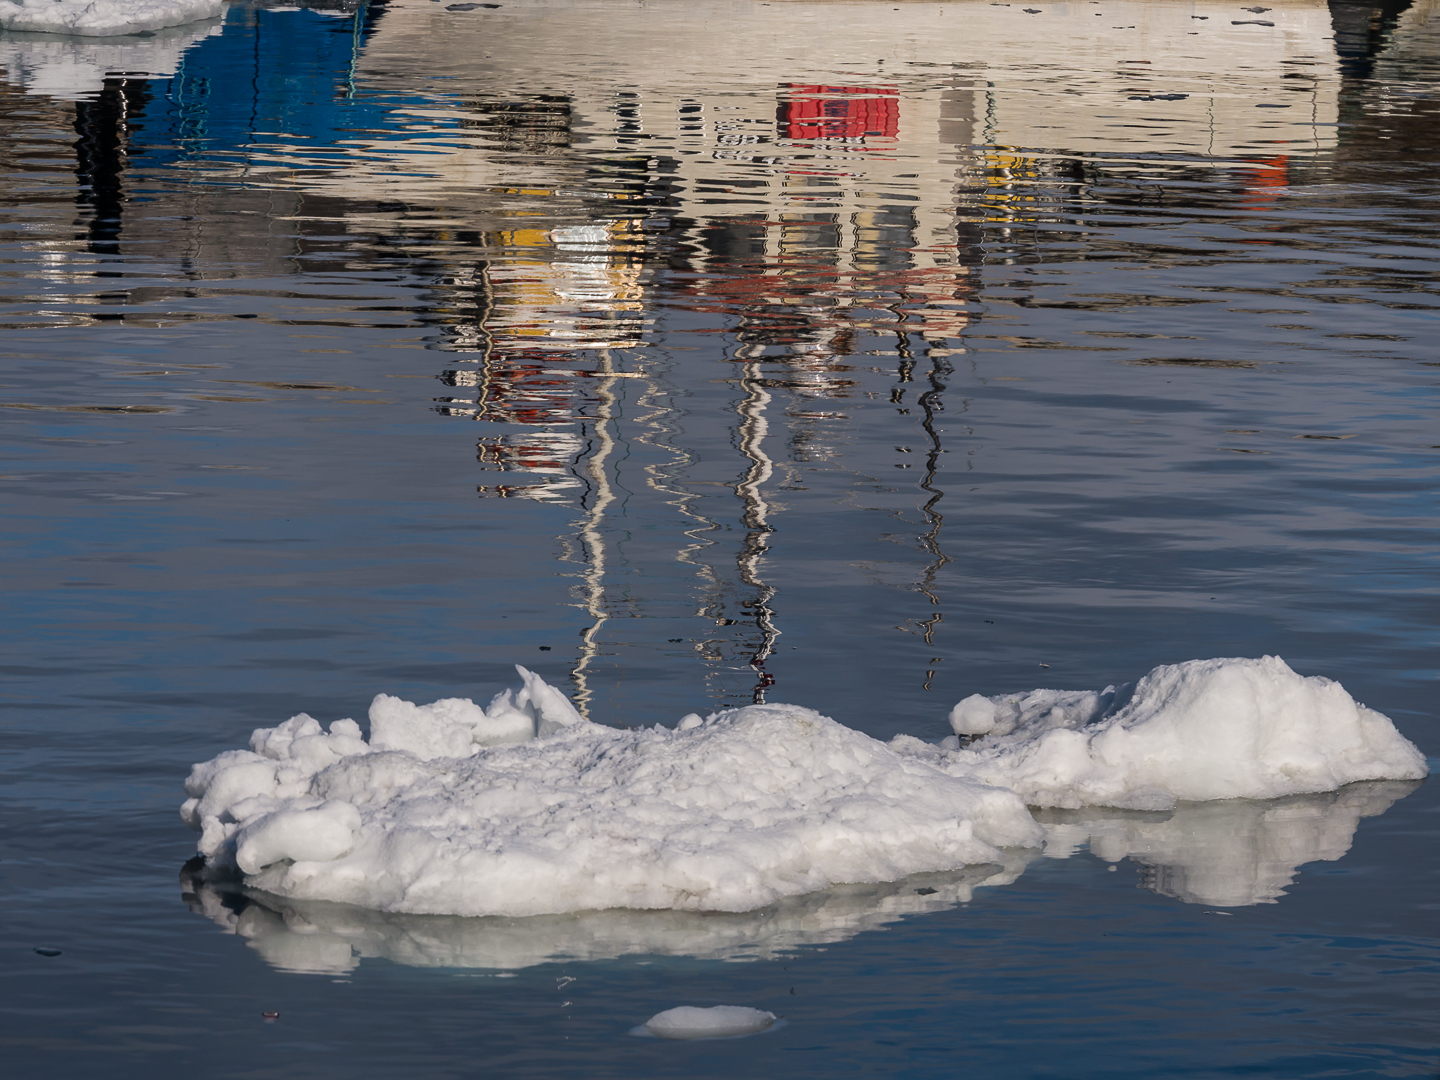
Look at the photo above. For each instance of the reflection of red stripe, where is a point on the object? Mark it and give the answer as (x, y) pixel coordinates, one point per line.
(1268, 172)
(873, 111)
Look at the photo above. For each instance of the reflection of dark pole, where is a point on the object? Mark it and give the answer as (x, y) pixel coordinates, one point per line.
(930, 403)
(1362, 30)
(103, 125)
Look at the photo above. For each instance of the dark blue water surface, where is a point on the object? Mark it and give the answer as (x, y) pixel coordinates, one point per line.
(701, 352)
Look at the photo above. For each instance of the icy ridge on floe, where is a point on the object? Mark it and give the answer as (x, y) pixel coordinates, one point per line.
(524, 808)
(746, 808)
(103, 18)
(1206, 729)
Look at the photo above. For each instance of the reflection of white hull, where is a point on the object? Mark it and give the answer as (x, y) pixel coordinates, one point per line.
(701, 77)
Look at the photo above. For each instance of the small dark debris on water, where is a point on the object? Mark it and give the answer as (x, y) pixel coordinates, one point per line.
(1267, 105)
(461, 7)
(1251, 22)
(1157, 97)
(544, 648)
(990, 621)
(1032, 10)
(1256, 10)
(675, 640)
(48, 952)
(1202, 18)
(927, 891)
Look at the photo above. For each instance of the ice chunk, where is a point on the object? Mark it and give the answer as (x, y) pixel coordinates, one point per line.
(103, 18)
(716, 1022)
(457, 727)
(295, 834)
(522, 808)
(1201, 730)
(754, 805)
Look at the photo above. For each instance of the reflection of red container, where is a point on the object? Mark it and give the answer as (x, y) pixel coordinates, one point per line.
(838, 112)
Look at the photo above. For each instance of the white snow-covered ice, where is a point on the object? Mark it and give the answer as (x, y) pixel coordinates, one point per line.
(438, 814)
(524, 808)
(716, 1022)
(103, 18)
(1201, 730)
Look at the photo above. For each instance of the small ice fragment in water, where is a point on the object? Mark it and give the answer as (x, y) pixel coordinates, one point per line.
(270, 1015)
(717, 1022)
(48, 952)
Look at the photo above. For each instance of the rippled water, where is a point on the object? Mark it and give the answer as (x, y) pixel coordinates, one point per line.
(693, 353)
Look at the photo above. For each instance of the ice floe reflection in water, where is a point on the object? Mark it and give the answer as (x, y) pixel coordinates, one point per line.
(1232, 853)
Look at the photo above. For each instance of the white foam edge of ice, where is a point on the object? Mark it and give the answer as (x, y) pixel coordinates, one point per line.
(444, 812)
(712, 1022)
(103, 18)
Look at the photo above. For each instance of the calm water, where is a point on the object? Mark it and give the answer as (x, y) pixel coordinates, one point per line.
(695, 353)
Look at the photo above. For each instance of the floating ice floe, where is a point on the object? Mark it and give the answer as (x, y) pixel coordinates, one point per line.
(103, 18)
(716, 1022)
(442, 813)
(524, 808)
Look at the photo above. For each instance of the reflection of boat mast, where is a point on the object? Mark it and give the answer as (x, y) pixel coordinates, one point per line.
(753, 429)
(602, 493)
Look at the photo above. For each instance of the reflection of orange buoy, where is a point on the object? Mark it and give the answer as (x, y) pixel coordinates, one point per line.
(271, 1015)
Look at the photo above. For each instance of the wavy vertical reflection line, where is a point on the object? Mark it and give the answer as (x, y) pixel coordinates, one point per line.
(591, 535)
(754, 426)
